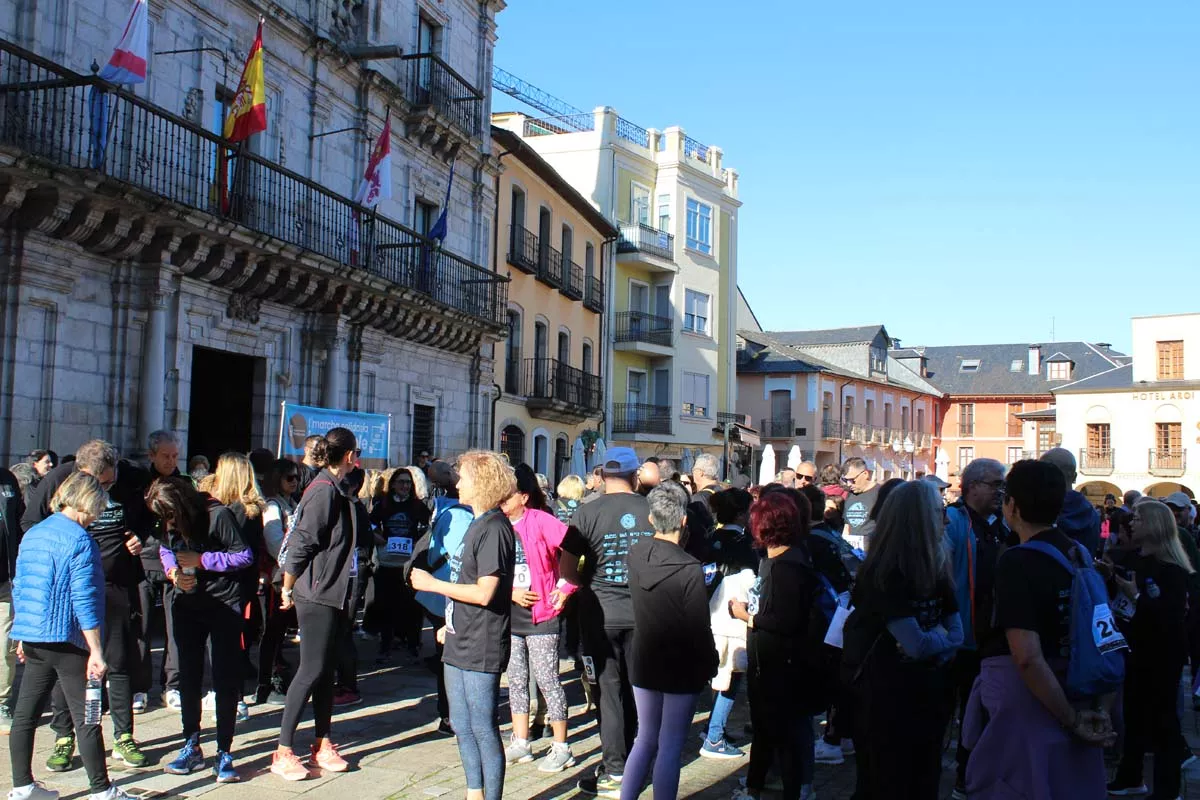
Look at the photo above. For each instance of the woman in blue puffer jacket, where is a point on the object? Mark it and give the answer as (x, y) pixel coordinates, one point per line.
(58, 605)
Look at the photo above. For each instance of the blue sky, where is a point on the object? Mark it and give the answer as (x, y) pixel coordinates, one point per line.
(960, 171)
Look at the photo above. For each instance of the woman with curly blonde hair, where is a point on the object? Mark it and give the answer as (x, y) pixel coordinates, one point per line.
(477, 630)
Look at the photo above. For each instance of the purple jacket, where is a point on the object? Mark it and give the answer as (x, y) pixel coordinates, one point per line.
(1018, 750)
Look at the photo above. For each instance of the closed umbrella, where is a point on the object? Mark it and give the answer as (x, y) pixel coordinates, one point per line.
(795, 457)
(943, 465)
(578, 463)
(766, 471)
(688, 461)
(599, 451)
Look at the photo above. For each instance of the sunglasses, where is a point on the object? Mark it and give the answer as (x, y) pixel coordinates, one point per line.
(357, 452)
(805, 478)
(852, 479)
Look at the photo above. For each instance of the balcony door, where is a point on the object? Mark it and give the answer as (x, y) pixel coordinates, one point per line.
(662, 301)
(662, 388)
(517, 223)
(512, 353)
(781, 412)
(541, 355)
(635, 393)
(639, 307)
(544, 240)
(562, 383)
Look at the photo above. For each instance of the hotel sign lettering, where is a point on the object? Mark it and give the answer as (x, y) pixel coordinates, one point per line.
(1164, 395)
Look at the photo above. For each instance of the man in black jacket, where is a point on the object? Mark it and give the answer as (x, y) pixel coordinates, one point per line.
(154, 589)
(119, 533)
(12, 507)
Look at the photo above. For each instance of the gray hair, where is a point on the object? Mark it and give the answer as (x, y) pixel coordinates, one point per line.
(96, 456)
(668, 506)
(441, 474)
(1064, 460)
(979, 470)
(159, 438)
(707, 465)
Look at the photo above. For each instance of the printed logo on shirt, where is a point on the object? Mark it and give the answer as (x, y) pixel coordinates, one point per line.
(856, 513)
(628, 521)
(754, 597)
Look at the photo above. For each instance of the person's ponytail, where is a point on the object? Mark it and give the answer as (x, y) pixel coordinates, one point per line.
(331, 450)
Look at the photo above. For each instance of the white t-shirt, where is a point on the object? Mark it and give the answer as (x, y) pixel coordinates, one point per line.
(734, 587)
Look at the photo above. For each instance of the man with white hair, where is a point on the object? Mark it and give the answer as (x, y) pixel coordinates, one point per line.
(163, 449)
(1079, 519)
(706, 475)
(700, 519)
(786, 478)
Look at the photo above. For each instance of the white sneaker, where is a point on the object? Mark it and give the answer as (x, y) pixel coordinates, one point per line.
(113, 792)
(172, 699)
(140, 701)
(209, 703)
(34, 791)
(825, 753)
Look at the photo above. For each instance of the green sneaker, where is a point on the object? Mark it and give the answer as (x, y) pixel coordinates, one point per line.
(126, 750)
(63, 756)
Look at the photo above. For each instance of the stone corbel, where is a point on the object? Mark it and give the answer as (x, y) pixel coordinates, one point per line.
(48, 209)
(12, 196)
(191, 253)
(141, 233)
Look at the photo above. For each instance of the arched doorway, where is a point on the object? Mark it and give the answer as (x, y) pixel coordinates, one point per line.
(1164, 488)
(512, 444)
(1095, 491)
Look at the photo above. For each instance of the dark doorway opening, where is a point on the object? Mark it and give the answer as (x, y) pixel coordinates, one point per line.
(221, 410)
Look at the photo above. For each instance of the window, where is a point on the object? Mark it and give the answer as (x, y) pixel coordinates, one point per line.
(965, 456)
(512, 353)
(695, 394)
(1168, 438)
(221, 104)
(869, 413)
(878, 360)
(827, 407)
(564, 347)
(639, 204)
(1099, 439)
(424, 215)
(368, 393)
(1059, 371)
(636, 389)
(920, 420)
(512, 444)
(966, 419)
(1016, 366)
(887, 415)
(423, 430)
(541, 453)
(848, 411)
(517, 211)
(664, 212)
(969, 365)
(699, 226)
(1014, 455)
(662, 388)
(1047, 437)
(1015, 426)
(904, 419)
(429, 40)
(586, 366)
(1170, 361)
(695, 312)
(589, 263)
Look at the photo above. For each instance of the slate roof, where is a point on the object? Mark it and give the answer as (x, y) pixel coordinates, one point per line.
(994, 375)
(858, 335)
(1121, 378)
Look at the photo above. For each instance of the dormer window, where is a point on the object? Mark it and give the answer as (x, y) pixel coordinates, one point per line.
(969, 365)
(1059, 371)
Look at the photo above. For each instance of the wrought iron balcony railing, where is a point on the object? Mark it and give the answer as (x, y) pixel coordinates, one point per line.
(637, 237)
(1168, 463)
(512, 371)
(81, 122)
(572, 280)
(641, 418)
(831, 429)
(593, 295)
(551, 379)
(636, 326)
(523, 249)
(550, 266)
(854, 432)
(779, 428)
(431, 83)
(732, 416)
(1096, 461)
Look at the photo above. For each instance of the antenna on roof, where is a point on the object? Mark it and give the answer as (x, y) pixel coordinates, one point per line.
(1052, 330)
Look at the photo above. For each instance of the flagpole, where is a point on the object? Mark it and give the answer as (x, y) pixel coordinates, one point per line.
(387, 119)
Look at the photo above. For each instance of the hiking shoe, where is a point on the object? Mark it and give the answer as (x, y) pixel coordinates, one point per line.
(140, 702)
(825, 753)
(190, 758)
(721, 749)
(126, 750)
(6, 724)
(608, 786)
(327, 757)
(223, 770)
(172, 700)
(518, 751)
(34, 791)
(63, 755)
(285, 764)
(558, 759)
(346, 697)
(1123, 789)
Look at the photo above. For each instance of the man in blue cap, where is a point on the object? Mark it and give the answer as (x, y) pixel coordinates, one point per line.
(602, 532)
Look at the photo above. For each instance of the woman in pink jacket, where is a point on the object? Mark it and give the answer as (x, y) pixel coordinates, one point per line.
(538, 596)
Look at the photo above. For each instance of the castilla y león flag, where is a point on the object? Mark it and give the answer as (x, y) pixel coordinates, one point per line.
(248, 113)
(377, 181)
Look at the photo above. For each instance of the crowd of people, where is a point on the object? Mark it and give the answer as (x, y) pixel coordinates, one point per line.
(866, 621)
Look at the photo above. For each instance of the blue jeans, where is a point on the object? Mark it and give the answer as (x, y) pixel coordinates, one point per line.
(663, 724)
(722, 706)
(473, 699)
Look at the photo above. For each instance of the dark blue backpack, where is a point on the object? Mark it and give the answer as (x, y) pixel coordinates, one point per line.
(1096, 665)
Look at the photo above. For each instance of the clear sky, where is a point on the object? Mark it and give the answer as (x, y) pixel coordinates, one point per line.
(959, 171)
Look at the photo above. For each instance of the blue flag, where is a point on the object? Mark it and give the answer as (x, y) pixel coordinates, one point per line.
(440, 226)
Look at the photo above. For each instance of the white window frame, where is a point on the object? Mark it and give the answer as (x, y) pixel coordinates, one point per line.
(634, 187)
(688, 296)
(961, 464)
(649, 296)
(693, 409)
(1014, 454)
(663, 207)
(699, 234)
(630, 372)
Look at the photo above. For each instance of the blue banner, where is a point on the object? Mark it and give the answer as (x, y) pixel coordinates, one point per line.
(373, 431)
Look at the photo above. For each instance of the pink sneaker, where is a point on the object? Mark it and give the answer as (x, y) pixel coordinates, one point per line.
(327, 758)
(287, 766)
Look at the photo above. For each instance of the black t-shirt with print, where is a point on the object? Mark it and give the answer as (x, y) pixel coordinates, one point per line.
(477, 637)
(874, 608)
(522, 618)
(604, 531)
(858, 511)
(1033, 593)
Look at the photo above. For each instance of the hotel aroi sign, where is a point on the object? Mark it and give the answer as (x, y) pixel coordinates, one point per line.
(1164, 395)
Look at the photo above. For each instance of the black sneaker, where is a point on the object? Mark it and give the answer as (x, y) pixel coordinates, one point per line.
(445, 728)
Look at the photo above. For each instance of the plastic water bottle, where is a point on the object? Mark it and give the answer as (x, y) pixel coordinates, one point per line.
(192, 572)
(92, 699)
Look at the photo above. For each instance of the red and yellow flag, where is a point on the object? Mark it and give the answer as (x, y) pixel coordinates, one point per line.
(248, 113)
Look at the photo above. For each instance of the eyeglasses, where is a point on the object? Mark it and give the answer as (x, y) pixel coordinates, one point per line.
(849, 479)
(805, 478)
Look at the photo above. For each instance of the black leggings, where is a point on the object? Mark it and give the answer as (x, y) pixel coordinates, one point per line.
(270, 649)
(200, 621)
(45, 665)
(320, 634)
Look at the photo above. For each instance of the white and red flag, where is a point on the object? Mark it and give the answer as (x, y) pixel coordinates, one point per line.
(128, 61)
(377, 182)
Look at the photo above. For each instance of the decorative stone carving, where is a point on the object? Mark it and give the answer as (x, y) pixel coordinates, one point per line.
(346, 16)
(192, 104)
(243, 308)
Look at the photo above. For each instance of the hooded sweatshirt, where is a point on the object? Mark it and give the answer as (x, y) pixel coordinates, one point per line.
(1080, 521)
(673, 649)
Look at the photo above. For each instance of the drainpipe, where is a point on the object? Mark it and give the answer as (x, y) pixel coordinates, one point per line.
(608, 270)
(496, 393)
(473, 413)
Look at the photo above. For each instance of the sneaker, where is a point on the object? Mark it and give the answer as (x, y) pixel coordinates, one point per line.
(847, 747)
(602, 786)
(6, 724)
(558, 759)
(518, 751)
(345, 697)
(126, 750)
(63, 755)
(721, 749)
(445, 728)
(140, 701)
(825, 753)
(209, 703)
(327, 757)
(1188, 760)
(113, 792)
(172, 700)
(223, 770)
(34, 791)
(243, 711)
(959, 793)
(1118, 788)
(190, 758)
(287, 766)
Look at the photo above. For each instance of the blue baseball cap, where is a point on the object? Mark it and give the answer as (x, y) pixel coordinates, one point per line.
(620, 461)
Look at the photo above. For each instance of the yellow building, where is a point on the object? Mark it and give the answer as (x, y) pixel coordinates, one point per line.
(556, 245)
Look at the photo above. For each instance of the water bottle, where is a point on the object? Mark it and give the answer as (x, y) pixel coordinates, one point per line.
(92, 700)
(1152, 589)
(192, 572)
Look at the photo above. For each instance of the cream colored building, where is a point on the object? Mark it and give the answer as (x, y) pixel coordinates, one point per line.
(672, 288)
(550, 369)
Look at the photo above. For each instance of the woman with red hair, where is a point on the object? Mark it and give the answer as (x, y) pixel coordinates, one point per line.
(777, 615)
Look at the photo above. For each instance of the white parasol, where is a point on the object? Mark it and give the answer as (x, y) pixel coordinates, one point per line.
(943, 465)
(578, 463)
(766, 471)
(795, 457)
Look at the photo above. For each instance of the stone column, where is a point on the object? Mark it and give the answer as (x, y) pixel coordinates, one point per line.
(333, 386)
(152, 405)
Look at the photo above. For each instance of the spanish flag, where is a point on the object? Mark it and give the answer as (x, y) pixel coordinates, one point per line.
(248, 113)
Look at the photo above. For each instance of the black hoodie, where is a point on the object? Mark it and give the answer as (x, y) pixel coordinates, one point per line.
(673, 649)
(12, 508)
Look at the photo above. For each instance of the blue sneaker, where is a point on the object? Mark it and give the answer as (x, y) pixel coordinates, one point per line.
(190, 758)
(721, 749)
(223, 769)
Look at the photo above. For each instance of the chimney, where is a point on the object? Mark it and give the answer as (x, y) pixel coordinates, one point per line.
(1035, 359)
(895, 343)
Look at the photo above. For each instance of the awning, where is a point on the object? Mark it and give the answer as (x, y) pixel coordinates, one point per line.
(739, 434)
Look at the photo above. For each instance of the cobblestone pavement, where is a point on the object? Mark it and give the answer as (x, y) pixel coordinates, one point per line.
(394, 749)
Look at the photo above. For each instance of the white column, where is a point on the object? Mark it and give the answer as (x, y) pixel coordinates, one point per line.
(333, 388)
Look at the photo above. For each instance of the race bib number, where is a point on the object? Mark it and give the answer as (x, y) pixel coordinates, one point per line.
(1104, 630)
(1123, 607)
(399, 546)
(589, 670)
(522, 578)
(450, 617)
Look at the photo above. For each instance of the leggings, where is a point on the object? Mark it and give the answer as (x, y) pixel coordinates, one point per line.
(539, 652)
(201, 621)
(663, 723)
(319, 638)
(473, 699)
(270, 650)
(44, 665)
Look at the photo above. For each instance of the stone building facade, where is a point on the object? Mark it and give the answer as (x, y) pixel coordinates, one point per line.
(150, 277)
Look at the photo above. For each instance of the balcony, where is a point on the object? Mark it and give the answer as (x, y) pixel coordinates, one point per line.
(1096, 461)
(550, 267)
(444, 108)
(640, 418)
(572, 281)
(593, 295)
(831, 429)
(1168, 463)
(779, 428)
(923, 441)
(875, 434)
(523, 249)
(724, 417)
(643, 240)
(130, 176)
(559, 392)
(854, 432)
(638, 332)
